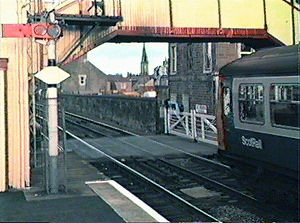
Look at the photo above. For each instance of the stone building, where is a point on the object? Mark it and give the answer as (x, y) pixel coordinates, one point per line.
(117, 84)
(144, 62)
(88, 79)
(193, 72)
(160, 74)
(154, 84)
(140, 81)
(85, 78)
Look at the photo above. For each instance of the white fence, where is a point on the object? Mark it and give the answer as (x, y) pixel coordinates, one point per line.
(199, 127)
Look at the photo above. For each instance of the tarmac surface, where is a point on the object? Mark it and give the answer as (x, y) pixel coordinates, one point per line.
(78, 204)
(15, 208)
(81, 203)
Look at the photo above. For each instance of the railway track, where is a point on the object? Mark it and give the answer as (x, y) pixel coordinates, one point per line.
(179, 176)
(142, 182)
(213, 172)
(171, 205)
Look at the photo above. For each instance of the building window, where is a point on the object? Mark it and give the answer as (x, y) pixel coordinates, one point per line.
(82, 79)
(285, 105)
(189, 56)
(251, 103)
(173, 58)
(207, 58)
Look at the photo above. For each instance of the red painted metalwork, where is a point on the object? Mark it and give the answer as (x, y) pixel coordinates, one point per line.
(193, 32)
(39, 31)
(165, 34)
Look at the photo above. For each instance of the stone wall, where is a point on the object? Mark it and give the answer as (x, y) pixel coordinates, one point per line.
(198, 91)
(135, 114)
(190, 85)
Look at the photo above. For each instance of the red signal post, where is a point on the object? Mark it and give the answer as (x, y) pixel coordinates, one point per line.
(38, 31)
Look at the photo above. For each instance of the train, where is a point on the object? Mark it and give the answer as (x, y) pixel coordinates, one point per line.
(258, 111)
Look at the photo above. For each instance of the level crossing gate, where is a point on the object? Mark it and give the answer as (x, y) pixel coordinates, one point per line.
(200, 127)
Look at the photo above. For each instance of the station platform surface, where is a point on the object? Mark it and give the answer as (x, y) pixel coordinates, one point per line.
(78, 204)
(15, 208)
(153, 145)
(88, 197)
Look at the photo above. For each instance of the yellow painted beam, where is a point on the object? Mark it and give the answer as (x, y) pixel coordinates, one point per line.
(195, 13)
(154, 13)
(17, 52)
(242, 14)
(3, 126)
(279, 21)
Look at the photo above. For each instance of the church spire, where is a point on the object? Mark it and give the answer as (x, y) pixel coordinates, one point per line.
(144, 62)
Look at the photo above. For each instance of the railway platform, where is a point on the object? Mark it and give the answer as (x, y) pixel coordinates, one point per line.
(87, 200)
(79, 204)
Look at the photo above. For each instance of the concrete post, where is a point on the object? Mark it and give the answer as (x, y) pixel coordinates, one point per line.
(202, 128)
(166, 120)
(169, 120)
(193, 124)
(187, 132)
(52, 125)
(3, 131)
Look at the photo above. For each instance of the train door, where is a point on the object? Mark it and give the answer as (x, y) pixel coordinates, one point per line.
(224, 112)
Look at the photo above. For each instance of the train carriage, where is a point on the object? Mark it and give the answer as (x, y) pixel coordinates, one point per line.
(258, 113)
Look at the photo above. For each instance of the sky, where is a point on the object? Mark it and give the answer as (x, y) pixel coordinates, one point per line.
(113, 58)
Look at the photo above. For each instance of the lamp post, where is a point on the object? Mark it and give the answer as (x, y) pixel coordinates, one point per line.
(52, 76)
(52, 123)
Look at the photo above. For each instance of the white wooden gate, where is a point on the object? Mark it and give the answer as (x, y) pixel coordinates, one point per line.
(200, 127)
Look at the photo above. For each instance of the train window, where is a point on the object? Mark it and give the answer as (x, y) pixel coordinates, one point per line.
(226, 101)
(285, 105)
(251, 103)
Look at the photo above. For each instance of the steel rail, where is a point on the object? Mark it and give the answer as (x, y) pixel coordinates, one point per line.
(241, 194)
(210, 180)
(159, 143)
(232, 190)
(144, 177)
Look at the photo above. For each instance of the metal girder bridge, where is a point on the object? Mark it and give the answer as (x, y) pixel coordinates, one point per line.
(87, 24)
(259, 23)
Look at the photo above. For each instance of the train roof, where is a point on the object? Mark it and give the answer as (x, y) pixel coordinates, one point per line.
(276, 61)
